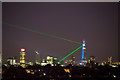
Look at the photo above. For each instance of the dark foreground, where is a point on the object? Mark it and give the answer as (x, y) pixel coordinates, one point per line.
(57, 73)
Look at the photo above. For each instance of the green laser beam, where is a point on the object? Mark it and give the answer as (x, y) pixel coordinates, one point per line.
(69, 54)
(45, 34)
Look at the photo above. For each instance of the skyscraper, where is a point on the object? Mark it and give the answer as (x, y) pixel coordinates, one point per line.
(83, 59)
(37, 56)
(22, 57)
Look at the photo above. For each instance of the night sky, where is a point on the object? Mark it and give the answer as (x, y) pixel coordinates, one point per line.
(96, 23)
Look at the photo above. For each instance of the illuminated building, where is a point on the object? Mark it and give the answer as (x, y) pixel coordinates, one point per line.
(72, 60)
(83, 59)
(91, 62)
(37, 56)
(30, 63)
(49, 60)
(66, 62)
(55, 60)
(92, 59)
(22, 57)
(109, 60)
(103, 63)
(116, 63)
(11, 61)
(44, 62)
(83, 50)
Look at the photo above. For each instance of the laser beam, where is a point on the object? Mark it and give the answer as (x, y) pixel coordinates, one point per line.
(69, 54)
(45, 34)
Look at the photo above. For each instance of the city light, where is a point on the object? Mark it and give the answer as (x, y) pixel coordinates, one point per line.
(44, 74)
(27, 70)
(67, 70)
(114, 76)
(69, 75)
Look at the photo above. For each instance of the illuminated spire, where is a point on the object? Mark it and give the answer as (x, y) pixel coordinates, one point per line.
(83, 50)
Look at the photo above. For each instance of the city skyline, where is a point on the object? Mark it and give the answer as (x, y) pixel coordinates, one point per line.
(96, 23)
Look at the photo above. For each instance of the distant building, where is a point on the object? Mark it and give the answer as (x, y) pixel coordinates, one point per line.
(22, 57)
(116, 63)
(49, 60)
(83, 60)
(72, 60)
(55, 60)
(44, 62)
(37, 56)
(92, 59)
(66, 62)
(11, 61)
(103, 63)
(109, 60)
(91, 62)
(30, 63)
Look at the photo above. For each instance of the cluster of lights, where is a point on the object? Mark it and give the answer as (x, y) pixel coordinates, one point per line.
(30, 71)
(67, 70)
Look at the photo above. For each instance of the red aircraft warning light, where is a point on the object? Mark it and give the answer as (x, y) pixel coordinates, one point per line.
(22, 49)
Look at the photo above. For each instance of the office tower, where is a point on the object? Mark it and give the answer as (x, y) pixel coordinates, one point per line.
(49, 60)
(11, 61)
(83, 59)
(22, 57)
(37, 56)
